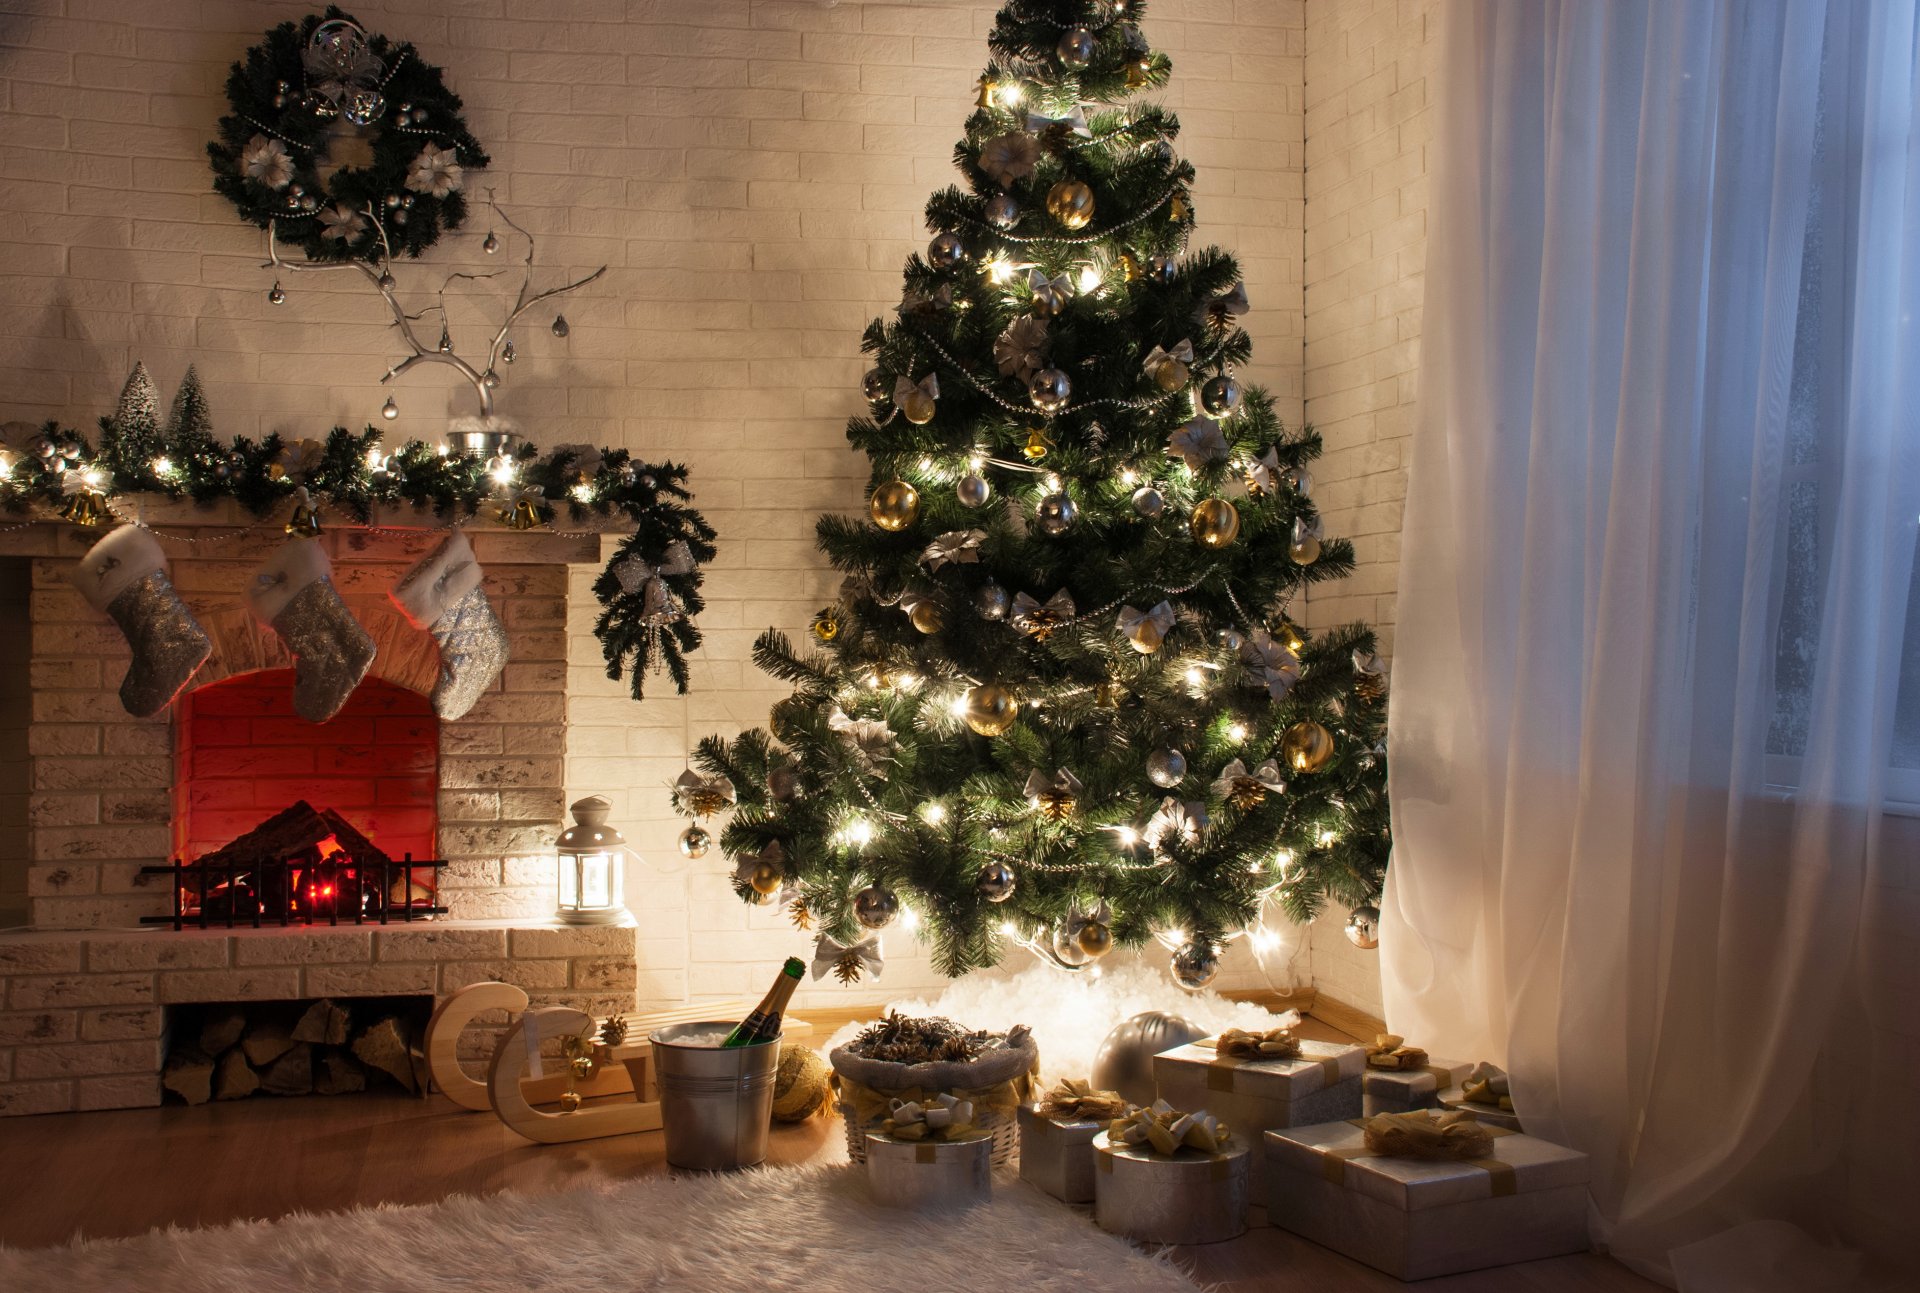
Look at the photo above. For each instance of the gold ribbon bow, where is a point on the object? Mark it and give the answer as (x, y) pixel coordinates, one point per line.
(1075, 1100)
(955, 547)
(305, 521)
(657, 604)
(863, 1105)
(1219, 312)
(1039, 619)
(524, 512)
(1391, 1054)
(297, 460)
(1452, 1134)
(944, 1117)
(1056, 796)
(1487, 1084)
(1146, 630)
(1245, 790)
(1165, 1130)
(1051, 294)
(1197, 443)
(1242, 1044)
(702, 796)
(848, 962)
(1183, 821)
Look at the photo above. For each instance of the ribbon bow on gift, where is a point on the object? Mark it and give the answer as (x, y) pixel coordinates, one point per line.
(1051, 294)
(657, 603)
(1245, 790)
(1041, 619)
(848, 963)
(1165, 1130)
(702, 796)
(1391, 1053)
(954, 548)
(1182, 821)
(1430, 1134)
(1158, 358)
(1272, 663)
(1264, 474)
(944, 1117)
(869, 740)
(1219, 312)
(1056, 796)
(1075, 1100)
(1074, 123)
(1273, 1044)
(1487, 1084)
(904, 388)
(1197, 443)
(1146, 630)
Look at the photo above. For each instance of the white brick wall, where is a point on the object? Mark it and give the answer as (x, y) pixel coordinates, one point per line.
(752, 170)
(1366, 246)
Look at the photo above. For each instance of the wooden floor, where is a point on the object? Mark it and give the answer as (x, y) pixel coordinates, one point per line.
(126, 1171)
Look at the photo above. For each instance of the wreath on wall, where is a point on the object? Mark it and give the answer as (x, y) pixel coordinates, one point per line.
(343, 142)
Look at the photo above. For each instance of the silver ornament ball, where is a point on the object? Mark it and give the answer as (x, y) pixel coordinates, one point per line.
(1195, 965)
(1075, 49)
(973, 491)
(1162, 269)
(1363, 927)
(1056, 513)
(1149, 502)
(1220, 396)
(996, 882)
(1050, 389)
(1124, 1062)
(1002, 211)
(874, 386)
(784, 785)
(992, 601)
(695, 841)
(875, 907)
(1166, 767)
(945, 251)
(1067, 948)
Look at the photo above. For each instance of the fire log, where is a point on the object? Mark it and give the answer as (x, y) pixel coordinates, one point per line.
(388, 1046)
(234, 1079)
(291, 1074)
(324, 1022)
(189, 1075)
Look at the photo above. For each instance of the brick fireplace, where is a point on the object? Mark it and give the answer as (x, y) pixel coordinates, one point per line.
(86, 988)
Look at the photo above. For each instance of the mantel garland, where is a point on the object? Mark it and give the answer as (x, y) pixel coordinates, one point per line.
(309, 87)
(649, 592)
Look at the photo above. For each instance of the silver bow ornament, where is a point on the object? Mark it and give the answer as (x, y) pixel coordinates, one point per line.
(1274, 666)
(299, 459)
(1041, 126)
(586, 461)
(954, 548)
(703, 796)
(941, 298)
(1197, 443)
(1146, 630)
(1264, 474)
(1049, 294)
(869, 740)
(905, 388)
(1219, 312)
(1243, 789)
(1159, 357)
(637, 575)
(848, 963)
(1056, 796)
(1041, 618)
(1176, 821)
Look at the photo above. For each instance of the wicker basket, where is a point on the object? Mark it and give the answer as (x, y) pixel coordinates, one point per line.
(998, 1082)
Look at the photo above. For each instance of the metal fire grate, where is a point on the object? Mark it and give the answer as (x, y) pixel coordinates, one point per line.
(202, 881)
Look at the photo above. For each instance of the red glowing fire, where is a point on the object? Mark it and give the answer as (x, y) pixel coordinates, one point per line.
(308, 862)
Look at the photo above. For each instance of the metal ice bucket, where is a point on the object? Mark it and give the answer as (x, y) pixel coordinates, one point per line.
(715, 1105)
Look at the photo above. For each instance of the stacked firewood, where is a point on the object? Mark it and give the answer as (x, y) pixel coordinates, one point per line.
(325, 1047)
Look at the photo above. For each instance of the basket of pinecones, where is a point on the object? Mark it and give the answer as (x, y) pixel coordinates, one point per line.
(907, 1059)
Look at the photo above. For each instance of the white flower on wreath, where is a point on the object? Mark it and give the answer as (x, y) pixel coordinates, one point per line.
(266, 161)
(436, 172)
(341, 223)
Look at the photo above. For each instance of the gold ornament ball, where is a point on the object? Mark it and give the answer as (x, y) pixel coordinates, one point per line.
(695, 841)
(826, 626)
(918, 407)
(799, 1084)
(1071, 203)
(926, 617)
(991, 709)
(1095, 939)
(1304, 544)
(1306, 746)
(766, 878)
(1172, 375)
(1215, 523)
(895, 505)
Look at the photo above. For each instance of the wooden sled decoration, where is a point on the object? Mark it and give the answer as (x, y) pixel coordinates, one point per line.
(449, 1020)
(589, 1122)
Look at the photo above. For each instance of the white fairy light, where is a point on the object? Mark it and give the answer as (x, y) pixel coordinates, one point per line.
(859, 831)
(1009, 930)
(999, 269)
(934, 812)
(1263, 939)
(1053, 483)
(1011, 93)
(926, 465)
(1128, 476)
(1127, 836)
(1194, 677)
(1237, 732)
(1327, 838)
(909, 917)
(92, 476)
(959, 705)
(583, 493)
(376, 460)
(1090, 279)
(442, 450)
(162, 467)
(502, 471)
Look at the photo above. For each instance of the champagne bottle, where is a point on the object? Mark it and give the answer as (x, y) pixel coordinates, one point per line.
(763, 1025)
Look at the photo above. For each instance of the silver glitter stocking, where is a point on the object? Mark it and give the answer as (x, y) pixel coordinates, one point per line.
(331, 652)
(168, 644)
(473, 651)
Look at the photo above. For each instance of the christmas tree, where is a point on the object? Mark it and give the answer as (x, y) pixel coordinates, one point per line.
(1061, 702)
(130, 439)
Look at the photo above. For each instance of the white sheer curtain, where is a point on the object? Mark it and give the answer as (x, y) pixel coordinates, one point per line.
(1659, 549)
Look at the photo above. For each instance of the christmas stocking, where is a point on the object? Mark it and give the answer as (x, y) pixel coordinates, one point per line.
(293, 594)
(443, 596)
(125, 575)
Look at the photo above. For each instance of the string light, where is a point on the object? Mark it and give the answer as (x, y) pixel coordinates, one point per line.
(162, 467)
(583, 493)
(1129, 476)
(1237, 732)
(1009, 930)
(1327, 838)
(1127, 836)
(92, 476)
(909, 918)
(1011, 93)
(1194, 677)
(1090, 279)
(959, 705)
(502, 471)
(999, 269)
(860, 831)
(934, 812)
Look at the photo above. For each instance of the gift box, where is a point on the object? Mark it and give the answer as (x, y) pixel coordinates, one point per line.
(1057, 1154)
(1415, 1218)
(927, 1173)
(1321, 1084)
(1188, 1197)
(1491, 1114)
(1402, 1090)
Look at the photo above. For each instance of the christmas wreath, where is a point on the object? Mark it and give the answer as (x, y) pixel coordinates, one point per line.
(343, 142)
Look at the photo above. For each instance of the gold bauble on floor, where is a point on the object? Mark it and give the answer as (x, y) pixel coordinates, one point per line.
(991, 709)
(1307, 746)
(1215, 523)
(895, 505)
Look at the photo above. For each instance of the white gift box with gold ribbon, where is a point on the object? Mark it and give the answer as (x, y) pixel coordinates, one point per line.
(1321, 1084)
(1401, 1090)
(1416, 1218)
(1056, 1154)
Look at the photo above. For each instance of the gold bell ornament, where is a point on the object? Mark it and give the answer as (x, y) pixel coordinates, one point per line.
(895, 505)
(826, 626)
(305, 521)
(1037, 445)
(85, 504)
(524, 512)
(1071, 203)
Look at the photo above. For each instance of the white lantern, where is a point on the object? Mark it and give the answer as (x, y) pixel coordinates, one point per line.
(593, 864)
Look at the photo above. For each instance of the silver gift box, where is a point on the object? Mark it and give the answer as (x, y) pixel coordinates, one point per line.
(1417, 1218)
(1253, 1096)
(1058, 1156)
(929, 1173)
(1191, 1198)
(1404, 1090)
(1491, 1114)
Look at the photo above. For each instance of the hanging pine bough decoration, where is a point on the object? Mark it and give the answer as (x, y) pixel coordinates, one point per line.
(346, 141)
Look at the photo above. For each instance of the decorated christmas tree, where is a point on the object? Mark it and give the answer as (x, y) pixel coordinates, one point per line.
(130, 438)
(1062, 701)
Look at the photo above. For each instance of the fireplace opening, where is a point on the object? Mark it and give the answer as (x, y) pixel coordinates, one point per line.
(330, 1046)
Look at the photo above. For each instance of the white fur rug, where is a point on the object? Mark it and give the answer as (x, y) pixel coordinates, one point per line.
(779, 1228)
(1071, 1014)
